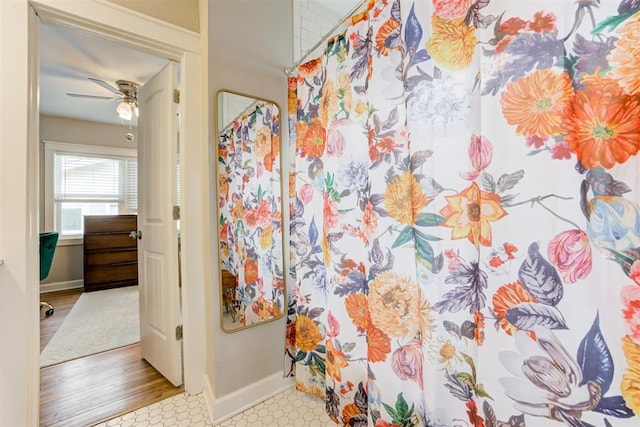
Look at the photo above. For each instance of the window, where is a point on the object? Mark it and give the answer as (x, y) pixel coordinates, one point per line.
(87, 180)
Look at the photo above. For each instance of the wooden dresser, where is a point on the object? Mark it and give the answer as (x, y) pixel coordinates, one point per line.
(110, 255)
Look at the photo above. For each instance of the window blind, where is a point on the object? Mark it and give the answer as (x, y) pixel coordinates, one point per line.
(82, 178)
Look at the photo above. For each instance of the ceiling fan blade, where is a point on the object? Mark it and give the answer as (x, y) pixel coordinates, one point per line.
(78, 95)
(106, 85)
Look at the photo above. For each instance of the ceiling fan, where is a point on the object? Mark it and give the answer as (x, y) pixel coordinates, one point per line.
(126, 92)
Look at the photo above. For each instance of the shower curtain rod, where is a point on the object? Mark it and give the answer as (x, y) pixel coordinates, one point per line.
(290, 71)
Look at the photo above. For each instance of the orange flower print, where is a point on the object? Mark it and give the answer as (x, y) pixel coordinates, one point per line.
(330, 213)
(263, 211)
(388, 36)
(535, 103)
(506, 297)
(452, 42)
(346, 388)
(369, 221)
(313, 389)
(542, 22)
(223, 185)
(335, 361)
(424, 315)
(630, 298)
(265, 240)
(250, 217)
(478, 331)
(310, 68)
(397, 307)
(302, 128)
(350, 411)
(312, 142)
(308, 336)
(496, 261)
(512, 26)
(273, 155)
(262, 142)
(387, 145)
(451, 9)
(292, 185)
(503, 44)
(624, 60)
(224, 232)
(292, 95)
(237, 211)
(250, 270)
(630, 386)
(472, 412)
(328, 106)
(602, 125)
(378, 345)
(358, 311)
(469, 214)
(404, 198)
(263, 308)
(509, 249)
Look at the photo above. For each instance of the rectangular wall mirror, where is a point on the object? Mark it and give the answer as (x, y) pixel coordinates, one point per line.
(249, 214)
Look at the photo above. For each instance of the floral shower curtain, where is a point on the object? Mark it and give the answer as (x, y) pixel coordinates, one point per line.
(250, 217)
(465, 232)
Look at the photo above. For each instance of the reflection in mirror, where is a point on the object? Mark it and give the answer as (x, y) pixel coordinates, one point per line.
(249, 211)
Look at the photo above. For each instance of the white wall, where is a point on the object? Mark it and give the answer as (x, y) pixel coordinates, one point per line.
(62, 129)
(18, 240)
(67, 267)
(183, 13)
(249, 47)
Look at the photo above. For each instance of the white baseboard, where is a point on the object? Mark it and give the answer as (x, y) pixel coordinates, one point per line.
(61, 286)
(209, 396)
(249, 396)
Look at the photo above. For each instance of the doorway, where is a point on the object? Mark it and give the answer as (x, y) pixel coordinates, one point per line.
(85, 176)
(183, 46)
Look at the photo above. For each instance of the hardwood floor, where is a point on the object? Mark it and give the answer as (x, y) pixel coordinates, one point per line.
(92, 389)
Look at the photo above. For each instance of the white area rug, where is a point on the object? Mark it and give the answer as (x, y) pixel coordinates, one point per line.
(99, 321)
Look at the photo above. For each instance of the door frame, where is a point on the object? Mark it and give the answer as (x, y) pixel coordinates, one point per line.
(165, 40)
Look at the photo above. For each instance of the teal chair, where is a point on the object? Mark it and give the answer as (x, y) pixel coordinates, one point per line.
(48, 242)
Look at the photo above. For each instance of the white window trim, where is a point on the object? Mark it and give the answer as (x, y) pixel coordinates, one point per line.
(51, 147)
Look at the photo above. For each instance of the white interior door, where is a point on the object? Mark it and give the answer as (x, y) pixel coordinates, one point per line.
(158, 244)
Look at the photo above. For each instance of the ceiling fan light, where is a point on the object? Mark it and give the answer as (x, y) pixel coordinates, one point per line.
(124, 111)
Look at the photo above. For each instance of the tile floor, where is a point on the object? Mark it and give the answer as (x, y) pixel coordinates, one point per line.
(287, 409)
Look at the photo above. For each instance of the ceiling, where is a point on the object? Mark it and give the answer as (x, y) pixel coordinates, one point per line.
(68, 57)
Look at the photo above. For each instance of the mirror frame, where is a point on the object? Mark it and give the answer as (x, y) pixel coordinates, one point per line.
(218, 266)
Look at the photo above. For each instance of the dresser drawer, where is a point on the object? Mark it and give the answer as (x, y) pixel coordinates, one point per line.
(109, 223)
(115, 273)
(109, 257)
(108, 241)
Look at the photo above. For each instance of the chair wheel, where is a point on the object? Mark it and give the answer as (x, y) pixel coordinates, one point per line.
(49, 312)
